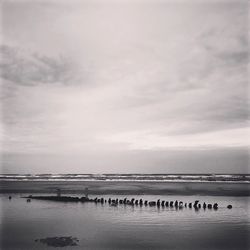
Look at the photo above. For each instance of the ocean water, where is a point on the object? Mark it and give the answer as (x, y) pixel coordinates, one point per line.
(235, 178)
(105, 227)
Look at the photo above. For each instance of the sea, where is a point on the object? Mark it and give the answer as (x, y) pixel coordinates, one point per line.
(239, 178)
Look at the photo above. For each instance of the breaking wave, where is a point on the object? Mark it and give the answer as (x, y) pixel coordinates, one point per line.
(236, 178)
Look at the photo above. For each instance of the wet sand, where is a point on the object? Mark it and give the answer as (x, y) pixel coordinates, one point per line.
(128, 187)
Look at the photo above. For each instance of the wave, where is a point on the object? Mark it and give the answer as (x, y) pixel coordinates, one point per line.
(230, 178)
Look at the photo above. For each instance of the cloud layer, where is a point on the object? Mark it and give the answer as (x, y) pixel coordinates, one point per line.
(25, 69)
(109, 79)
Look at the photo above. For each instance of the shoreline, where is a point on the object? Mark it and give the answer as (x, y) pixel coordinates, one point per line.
(122, 180)
(127, 187)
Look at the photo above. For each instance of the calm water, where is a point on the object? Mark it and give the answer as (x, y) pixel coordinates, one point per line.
(124, 227)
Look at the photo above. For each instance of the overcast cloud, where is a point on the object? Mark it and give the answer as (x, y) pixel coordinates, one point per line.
(116, 86)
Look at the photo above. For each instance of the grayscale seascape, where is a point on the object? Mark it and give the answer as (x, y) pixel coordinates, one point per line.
(124, 125)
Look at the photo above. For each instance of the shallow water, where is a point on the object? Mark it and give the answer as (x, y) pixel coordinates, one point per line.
(124, 227)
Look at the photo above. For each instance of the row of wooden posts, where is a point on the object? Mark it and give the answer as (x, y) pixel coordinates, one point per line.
(158, 203)
(139, 202)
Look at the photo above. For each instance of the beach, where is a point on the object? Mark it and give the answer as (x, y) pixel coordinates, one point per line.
(128, 187)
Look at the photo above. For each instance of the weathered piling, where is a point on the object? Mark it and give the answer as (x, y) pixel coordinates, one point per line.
(204, 205)
(196, 202)
(132, 201)
(196, 205)
(215, 206)
(176, 204)
(180, 204)
(158, 203)
(141, 202)
(209, 206)
(152, 203)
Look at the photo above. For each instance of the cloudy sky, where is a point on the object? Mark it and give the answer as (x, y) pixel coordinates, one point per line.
(100, 86)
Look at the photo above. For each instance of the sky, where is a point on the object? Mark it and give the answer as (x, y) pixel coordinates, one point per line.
(142, 86)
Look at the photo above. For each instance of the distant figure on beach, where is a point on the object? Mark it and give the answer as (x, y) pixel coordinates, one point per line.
(86, 192)
(58, 192)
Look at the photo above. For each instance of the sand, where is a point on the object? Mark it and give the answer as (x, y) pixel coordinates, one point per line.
(127, 187)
